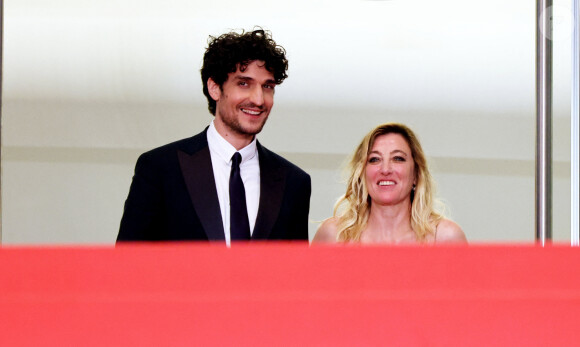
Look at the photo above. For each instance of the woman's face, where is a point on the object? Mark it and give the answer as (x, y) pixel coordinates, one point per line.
(390, 170)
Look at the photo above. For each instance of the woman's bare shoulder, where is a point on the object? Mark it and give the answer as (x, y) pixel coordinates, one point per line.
(449, 232)
(327, 231)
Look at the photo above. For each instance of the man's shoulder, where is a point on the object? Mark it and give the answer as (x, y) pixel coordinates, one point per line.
(189, 145)
(277, 159)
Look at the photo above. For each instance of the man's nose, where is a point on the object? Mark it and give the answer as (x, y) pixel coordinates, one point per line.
(257, 96)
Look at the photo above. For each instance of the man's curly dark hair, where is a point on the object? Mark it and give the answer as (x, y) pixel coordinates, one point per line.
(227, 52)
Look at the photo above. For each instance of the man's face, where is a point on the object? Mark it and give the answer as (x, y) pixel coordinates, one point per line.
(244, 101)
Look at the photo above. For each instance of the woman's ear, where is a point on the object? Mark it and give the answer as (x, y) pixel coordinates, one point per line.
(213, 89)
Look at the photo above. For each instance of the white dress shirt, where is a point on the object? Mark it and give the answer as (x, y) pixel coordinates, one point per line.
(221, 152)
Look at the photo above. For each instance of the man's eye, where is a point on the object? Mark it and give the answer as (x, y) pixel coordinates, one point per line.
(268, 86)
(242, 83)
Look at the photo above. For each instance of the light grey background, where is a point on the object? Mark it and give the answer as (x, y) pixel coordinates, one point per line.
(89, 85)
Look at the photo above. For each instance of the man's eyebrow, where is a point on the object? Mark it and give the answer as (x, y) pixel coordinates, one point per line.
(244, 78)
(248, 78)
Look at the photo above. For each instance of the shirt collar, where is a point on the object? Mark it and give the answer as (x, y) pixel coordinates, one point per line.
(224, 149)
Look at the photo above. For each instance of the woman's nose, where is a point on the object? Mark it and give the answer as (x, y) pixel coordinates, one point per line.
(386, 167)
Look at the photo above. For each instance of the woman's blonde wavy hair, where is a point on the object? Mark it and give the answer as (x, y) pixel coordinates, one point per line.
(351, 211)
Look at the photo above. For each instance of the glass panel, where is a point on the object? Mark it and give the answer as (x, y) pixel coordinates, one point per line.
(89, 85)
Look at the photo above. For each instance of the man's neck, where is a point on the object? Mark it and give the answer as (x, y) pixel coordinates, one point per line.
(237, 140)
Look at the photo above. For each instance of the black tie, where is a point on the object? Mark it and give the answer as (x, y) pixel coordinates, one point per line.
(239, 224)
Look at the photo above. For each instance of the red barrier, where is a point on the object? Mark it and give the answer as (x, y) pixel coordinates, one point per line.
(289, 294)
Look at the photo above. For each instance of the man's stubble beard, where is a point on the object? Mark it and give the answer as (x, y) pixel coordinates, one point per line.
(235, 126)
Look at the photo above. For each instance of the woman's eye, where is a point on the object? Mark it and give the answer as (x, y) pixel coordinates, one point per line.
(397, 158)
(373, 160)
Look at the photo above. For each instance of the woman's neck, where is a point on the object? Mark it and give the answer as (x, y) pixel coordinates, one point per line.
(389, 224)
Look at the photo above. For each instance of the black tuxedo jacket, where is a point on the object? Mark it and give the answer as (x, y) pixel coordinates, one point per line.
(173, 196)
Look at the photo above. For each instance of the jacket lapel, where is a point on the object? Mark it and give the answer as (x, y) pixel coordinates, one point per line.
(272, 182)
(198, 175)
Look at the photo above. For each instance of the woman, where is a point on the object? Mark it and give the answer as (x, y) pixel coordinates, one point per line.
(389, 196)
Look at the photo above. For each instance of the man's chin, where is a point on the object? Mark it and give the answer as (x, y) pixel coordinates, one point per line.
(253, 129)
(252, 132)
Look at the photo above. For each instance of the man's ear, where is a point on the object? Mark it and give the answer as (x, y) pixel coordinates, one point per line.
(213, 89)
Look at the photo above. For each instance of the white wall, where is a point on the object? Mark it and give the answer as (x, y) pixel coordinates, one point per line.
(89, 85)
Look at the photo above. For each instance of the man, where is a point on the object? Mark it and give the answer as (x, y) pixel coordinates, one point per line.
(200, 188)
